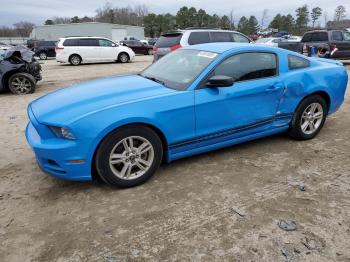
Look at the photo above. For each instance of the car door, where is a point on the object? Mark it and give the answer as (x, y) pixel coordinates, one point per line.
(249, 105)
(342, 42)
(89, 49)
(108, 50)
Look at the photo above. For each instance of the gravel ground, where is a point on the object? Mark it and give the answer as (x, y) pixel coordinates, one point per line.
(220, 206)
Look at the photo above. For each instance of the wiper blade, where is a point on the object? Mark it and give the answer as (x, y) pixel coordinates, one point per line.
(154, 79)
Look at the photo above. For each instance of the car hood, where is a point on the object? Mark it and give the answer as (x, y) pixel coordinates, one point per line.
(73, 103)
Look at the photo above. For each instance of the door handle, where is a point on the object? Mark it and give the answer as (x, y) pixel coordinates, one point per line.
(275, 86)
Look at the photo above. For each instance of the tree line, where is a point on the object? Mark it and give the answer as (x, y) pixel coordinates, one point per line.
(155, 24)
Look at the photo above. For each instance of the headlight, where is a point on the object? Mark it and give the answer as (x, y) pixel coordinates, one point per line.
(62, 132)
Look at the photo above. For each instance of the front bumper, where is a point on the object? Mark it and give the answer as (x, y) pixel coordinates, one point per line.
(54, 155)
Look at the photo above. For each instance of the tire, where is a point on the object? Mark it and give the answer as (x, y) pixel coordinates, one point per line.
(149, 52)
(43, 56)
(123, 57)
(22, 84)
(312, 109)
(129, 167)
(75, 60)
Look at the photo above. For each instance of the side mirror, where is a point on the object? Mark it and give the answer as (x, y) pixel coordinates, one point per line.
(114, 45)
(220, 81)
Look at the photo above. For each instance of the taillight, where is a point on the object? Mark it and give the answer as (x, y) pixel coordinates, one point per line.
(59, 48)
(155, 49)
(175, 47)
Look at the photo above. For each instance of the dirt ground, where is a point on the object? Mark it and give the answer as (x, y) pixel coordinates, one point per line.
(220, 206)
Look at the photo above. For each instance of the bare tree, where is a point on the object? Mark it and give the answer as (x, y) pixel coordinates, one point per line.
(232, 23)
(24, 28)
(339, 13)
(325, 18)
(264, 17)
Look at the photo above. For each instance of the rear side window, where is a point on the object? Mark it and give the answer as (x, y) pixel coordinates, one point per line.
(198, 38)
(296, 62)
(88, 42)
(70, 42)
(319, 37)
(248, 66)
(240, 38)
(337, 36)
(221, 37)
(169, 40)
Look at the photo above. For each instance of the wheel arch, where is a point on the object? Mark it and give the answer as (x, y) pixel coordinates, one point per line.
(156, 129)
(322, 94)
(69, 57)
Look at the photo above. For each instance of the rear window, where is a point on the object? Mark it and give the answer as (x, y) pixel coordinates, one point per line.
(221, 37)
(169, 40)
(70, 42)
(46, 43)
(296, 62)
(198, 38)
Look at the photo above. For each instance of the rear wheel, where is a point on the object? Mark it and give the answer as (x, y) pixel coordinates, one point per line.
(123, 58)
(309, 118)
(75, 60)
(129, 156)
(22, 83)
(43, 56)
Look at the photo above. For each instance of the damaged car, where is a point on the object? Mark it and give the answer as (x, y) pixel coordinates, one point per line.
(19, 71)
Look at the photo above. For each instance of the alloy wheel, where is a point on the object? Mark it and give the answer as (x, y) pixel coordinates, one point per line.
(131, 157)
(311, 119)
(21, 85)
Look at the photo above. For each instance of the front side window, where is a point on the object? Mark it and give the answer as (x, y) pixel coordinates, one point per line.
(198, 38)
(180, 68)
(337, 36)
(296, 62)
(105, 43)
(248, 66)
(240, 38)
(346, 36)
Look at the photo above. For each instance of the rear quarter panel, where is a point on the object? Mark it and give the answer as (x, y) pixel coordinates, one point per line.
(320, 76)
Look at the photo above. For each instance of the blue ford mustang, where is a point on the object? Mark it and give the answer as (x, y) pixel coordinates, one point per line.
(194, 100)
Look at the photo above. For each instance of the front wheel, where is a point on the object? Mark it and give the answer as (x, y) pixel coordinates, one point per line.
(43, 56)
(309, 118)
(123, 58)
(129, 156)
(22, 83)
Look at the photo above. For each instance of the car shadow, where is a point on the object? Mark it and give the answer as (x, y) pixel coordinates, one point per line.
(72, 187)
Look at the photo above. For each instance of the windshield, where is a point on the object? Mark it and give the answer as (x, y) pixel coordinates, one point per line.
(180, 68)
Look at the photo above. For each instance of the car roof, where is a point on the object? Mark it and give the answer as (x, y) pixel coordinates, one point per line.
(224, 47)
(181, 31)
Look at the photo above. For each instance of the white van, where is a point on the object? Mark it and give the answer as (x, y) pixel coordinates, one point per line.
(77, 50)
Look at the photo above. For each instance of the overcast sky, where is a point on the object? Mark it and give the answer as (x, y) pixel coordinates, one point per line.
(37, 11)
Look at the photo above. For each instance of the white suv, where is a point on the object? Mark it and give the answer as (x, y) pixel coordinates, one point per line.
(173, 40)
(77, 50)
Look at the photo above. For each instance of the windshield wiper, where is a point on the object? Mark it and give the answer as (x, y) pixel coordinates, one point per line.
(153, 79)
